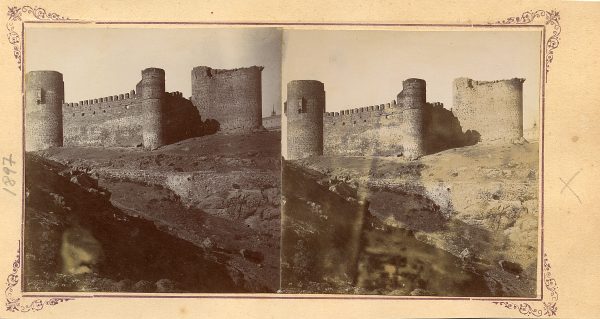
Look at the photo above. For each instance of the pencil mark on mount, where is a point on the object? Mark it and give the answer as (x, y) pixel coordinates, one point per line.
(567, 185)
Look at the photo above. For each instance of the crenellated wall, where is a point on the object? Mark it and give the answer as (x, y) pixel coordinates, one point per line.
(231, 97)
(369, 130)
(123, 119)
(107, 121)
(408, 126)
(120, 122)
(491, 109)
(147, 116)
(390, 129)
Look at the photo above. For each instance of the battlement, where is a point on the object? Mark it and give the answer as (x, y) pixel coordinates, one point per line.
(371, 108)
(106, 101)
(99, 101)
(391, 128)
(175, 94)
(408, 126)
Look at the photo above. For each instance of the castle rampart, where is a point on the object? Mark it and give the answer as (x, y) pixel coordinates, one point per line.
(491, 109)
(387, 129)
(305, 107)
(108, 123)
(44, 96)
(120, 119)
(231, 97)
(370, 130)
(407, 126)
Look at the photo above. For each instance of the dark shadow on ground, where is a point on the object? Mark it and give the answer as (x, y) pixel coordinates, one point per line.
(443, 130)
(331, 243)
(71, 226)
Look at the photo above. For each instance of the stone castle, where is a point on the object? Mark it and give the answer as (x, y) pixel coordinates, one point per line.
(489, 111)
(222, 100)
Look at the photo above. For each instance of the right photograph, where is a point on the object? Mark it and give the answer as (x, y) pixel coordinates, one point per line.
(411, 162)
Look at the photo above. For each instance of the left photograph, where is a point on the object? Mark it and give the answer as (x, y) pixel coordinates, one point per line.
(152, 159)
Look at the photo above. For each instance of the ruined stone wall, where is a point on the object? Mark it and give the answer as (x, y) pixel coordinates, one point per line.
(108, 121)
(44, 95)
(150, 118)
(390, 129)
(231, 97)
(304, 110)
(120, 122)
(366, 131)
(493, 109)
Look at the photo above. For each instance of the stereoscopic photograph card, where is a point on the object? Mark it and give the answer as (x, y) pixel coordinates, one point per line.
(410, 159)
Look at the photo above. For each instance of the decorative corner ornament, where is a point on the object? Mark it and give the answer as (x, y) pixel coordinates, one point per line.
(13, 302)
(552, 39)
(16, 14)
(547, 308)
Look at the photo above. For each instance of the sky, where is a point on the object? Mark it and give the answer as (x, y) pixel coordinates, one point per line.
(363, 68)
(98, 61)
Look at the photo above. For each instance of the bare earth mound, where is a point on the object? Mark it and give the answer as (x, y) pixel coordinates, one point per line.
(475, 208)
(219, 193)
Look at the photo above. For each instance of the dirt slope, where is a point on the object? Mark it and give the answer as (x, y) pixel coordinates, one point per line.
(218, 192)
(478, 203)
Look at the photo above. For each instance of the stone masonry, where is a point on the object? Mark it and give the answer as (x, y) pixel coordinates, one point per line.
(494, 109)
(147, 116)
(408, 126)
(304, 108)
(231, 97)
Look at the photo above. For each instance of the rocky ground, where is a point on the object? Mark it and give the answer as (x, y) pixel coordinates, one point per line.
(219, 195)
(460, 222)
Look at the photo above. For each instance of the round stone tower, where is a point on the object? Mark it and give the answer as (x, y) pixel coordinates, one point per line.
(44, 96)
(304, 109)
(231, 97)
(412, 99)
(153, 100)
